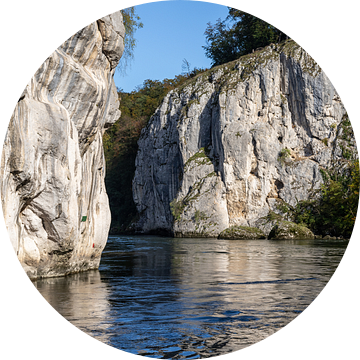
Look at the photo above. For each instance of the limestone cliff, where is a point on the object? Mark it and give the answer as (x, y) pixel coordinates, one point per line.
(236, 142)
(52, 190)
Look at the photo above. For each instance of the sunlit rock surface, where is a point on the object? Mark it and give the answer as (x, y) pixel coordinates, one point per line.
(53, 196)
(237, 142)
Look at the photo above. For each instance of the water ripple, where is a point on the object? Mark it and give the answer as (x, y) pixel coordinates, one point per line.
(192, 298)
(281, 281)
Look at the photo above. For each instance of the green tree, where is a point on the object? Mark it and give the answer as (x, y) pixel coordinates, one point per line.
(353, 197)
(185, 67)
(239, 34)
(333, 211)
(132, 23)
(221, 46)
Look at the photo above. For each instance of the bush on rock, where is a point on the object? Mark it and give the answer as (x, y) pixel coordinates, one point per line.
(290, 230)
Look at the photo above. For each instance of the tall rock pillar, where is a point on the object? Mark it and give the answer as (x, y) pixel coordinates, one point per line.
(52, 170)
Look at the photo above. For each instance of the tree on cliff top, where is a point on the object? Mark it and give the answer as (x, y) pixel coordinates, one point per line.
(132, 23)
(239, 34)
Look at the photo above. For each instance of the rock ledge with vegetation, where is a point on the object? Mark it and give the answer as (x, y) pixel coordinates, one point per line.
(242, 233)
(288, 230)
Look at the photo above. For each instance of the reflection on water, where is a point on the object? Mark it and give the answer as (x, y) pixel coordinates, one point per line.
(81, 299)
(192, 298)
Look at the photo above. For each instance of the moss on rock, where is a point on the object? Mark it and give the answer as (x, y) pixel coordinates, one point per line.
(242, 233)
(289, 230)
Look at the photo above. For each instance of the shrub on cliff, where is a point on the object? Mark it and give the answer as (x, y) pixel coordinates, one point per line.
(131, 23)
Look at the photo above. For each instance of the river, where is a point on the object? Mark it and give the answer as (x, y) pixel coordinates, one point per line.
(193, 298)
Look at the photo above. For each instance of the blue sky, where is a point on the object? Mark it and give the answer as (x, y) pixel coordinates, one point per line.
(173, 30)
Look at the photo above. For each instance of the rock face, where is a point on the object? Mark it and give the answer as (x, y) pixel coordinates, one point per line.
(290, 230)
(242, 233)
(237, 142)
(53, 196)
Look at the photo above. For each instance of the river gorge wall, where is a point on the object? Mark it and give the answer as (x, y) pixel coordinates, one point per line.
(52, 190)
(238, 142)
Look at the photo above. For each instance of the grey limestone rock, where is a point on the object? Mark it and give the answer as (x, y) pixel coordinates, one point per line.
(52, 189)
(236, 142)
(289, 230)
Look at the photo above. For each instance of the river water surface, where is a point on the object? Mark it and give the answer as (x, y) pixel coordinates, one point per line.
(193, 298)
